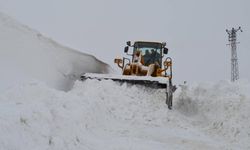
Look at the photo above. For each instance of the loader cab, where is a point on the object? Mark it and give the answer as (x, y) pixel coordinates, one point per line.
(152, 52)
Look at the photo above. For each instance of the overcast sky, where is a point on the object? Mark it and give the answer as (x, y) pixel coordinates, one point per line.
(193, 29)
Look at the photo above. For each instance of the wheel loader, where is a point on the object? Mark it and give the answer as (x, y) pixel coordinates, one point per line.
(145, 66)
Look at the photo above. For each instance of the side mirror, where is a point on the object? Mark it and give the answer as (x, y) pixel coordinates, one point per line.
(126, 49)
(129, 43)
(165, 50)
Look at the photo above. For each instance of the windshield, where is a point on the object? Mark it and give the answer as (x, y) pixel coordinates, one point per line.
(150, 52)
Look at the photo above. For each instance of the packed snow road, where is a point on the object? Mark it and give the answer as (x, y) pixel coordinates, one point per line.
(105, 115)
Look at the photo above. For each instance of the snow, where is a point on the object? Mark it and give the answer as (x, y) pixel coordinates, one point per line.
(91, 116)
(44, 106)
(25, 54)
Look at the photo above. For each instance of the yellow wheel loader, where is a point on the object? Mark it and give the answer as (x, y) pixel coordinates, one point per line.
(146, 66)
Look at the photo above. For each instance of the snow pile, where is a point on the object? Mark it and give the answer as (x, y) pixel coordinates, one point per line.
(106, 115)
(221, 110)
(26, 54)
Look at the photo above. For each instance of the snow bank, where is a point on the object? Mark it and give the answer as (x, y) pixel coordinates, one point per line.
(106, 115)
(221, 110)
(26, 54)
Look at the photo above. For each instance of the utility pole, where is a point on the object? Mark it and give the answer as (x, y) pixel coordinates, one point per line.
(232, 38)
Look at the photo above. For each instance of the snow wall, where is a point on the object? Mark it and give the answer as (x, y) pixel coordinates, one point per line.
(26, 54)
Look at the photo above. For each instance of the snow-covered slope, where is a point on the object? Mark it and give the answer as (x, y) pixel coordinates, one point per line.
(26, 54)
(105, 115)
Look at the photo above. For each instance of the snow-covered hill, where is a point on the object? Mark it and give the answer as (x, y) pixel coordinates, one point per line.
(26, 54)
(105, 115)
